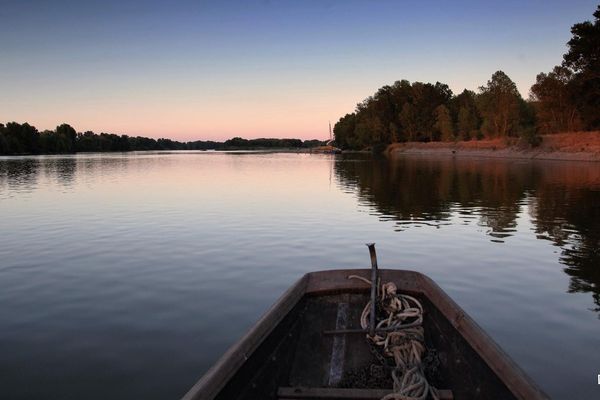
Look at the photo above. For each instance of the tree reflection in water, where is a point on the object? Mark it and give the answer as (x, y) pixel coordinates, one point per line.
(566, 210)
(563, 200)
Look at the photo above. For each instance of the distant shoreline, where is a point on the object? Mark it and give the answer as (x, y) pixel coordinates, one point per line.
(227, 150)
(577, 146)
(24, 139)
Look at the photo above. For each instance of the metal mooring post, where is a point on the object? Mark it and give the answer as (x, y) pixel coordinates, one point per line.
(373, 254)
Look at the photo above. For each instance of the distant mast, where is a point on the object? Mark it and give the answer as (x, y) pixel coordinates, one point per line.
(328, 148)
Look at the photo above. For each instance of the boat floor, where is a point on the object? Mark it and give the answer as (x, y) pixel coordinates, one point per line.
(289, 353)
(303, 361)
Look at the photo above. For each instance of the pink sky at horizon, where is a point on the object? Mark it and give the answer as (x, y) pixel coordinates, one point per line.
(180, 115)
(213, 71)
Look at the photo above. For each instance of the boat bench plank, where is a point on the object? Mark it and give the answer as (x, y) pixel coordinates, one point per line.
(299, 393)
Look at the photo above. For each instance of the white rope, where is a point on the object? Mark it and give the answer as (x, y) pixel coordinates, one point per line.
(403, 339)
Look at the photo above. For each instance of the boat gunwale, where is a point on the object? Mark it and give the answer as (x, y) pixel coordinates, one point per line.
(217, 376)
(335, 281)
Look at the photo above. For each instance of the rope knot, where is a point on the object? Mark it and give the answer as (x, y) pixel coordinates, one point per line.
(401, 336)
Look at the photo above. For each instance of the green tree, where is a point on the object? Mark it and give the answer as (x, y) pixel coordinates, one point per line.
(499, 105)
(583, 57)
(425, 98)
(20, 138)
(443, 123)
(408, 121)
(463, 109)
(3, 142)
(343, 131)
(66, 138)
(466, 123)
(394, 132)
(396, 113)
(401, 94)
(553, 98)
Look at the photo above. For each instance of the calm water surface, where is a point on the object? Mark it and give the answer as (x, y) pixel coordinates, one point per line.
(128, 275)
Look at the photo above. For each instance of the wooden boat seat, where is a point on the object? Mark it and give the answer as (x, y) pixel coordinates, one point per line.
(304, 393)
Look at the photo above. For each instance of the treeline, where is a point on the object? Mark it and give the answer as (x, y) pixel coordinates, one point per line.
(267, 143)
(563, 100)
(16, 138)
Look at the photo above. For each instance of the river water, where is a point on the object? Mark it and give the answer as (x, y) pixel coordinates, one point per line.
(127, 275)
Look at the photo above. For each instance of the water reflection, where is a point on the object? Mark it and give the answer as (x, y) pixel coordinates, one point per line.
(21, 175)
(562, 199)
(60, 170)
(18, 175)
(570, 217)
(427, 191)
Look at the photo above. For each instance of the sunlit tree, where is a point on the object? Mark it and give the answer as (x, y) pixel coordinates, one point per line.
(554, 100)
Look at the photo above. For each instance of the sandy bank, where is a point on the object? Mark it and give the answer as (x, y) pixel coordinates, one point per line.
(575, 146)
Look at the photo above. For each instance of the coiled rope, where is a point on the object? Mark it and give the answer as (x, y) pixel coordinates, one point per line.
(400, 334)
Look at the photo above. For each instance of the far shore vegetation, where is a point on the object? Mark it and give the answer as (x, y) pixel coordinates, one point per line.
(16, 138)
(566, 99)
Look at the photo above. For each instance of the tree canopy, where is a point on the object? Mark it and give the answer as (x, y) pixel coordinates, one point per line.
(555, 101)
(563, 100)
(396, 113)
(499, 105)
(430, 112)
(583, 58)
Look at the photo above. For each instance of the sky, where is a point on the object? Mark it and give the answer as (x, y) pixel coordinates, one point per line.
(200, 70)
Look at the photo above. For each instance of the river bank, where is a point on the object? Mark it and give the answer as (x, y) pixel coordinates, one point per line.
(575, 146)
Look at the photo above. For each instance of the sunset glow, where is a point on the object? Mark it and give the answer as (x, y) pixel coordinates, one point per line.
(195, 70)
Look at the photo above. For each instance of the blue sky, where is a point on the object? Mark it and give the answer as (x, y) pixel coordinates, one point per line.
(213, 70)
